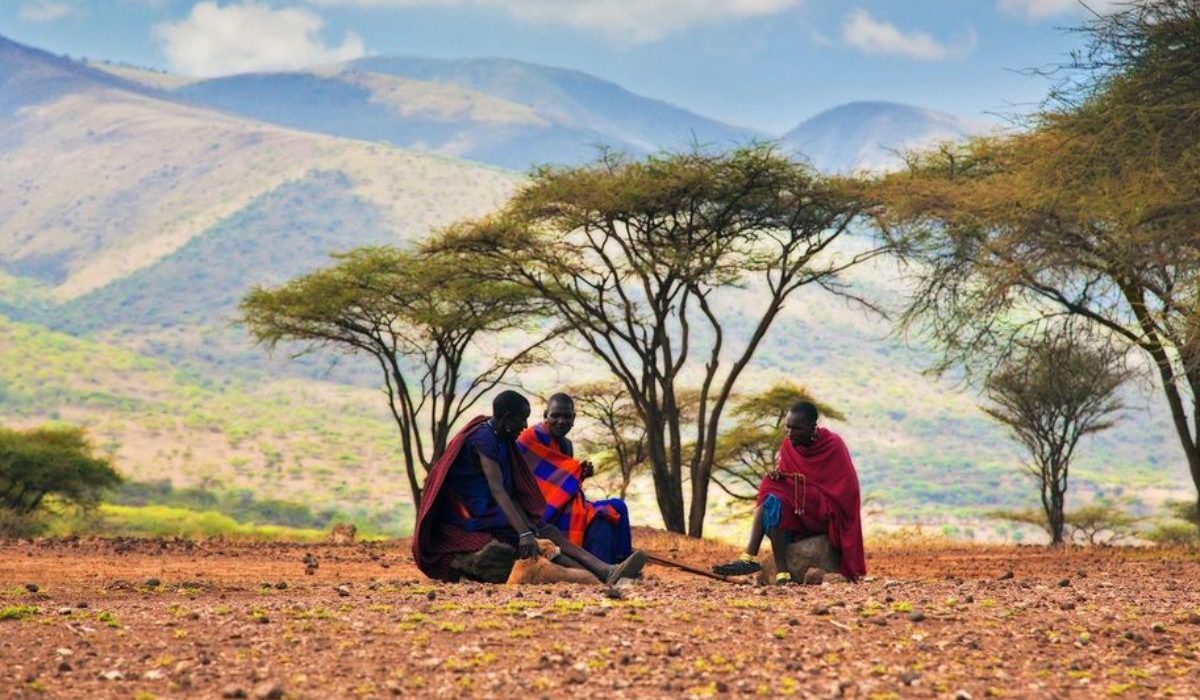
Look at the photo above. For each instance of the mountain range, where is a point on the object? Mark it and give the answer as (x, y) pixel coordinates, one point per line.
(137, 207)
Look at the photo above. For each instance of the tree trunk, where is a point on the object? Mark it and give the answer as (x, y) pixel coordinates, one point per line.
(667, 491)
(699, 508)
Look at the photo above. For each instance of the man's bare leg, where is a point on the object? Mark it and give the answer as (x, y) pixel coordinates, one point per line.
(747, 563)
(581, 557)
(779, 543)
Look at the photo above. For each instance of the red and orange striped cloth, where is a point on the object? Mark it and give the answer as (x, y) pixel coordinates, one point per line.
(559, 476)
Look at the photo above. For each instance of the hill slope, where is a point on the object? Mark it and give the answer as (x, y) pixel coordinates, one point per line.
(866, 135)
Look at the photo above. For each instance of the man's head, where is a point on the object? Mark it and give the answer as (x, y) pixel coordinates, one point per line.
(560, 414)
(510, 413)
(801, 423)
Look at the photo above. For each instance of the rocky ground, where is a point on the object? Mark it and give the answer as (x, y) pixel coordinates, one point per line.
(166, 619)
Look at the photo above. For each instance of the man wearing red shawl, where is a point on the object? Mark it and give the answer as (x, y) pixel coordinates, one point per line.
(813, 491)
(600, 527)
(481, 498)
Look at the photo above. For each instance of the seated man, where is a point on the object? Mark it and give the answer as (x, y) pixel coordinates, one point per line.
(479, 493)
(601, 527)
(813, 491)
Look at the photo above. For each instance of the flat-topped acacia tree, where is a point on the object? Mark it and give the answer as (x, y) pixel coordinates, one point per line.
(633, 256)
(1091, 216)
(421, 318)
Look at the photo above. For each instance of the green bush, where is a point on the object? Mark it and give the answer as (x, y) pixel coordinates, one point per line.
(53, 461)
(1174, 532)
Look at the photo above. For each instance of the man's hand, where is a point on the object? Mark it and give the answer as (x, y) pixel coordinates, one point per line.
(527, 546)
(587, 470)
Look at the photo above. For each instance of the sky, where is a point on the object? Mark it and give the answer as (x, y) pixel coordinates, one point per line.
(765, 64)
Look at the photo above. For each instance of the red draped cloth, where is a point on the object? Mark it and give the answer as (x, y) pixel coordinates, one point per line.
(826, 501)
(435, 540)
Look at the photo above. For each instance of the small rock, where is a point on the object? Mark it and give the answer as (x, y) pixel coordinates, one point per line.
(268, 690)
(1064, 583)
(65, 611)
(821, 610)
(1194, 618)
(674, 650)
(233, 691)
(1067, 605)
(281, 586)
(613, 593)
(310, 570)
(1007, 575)
(432, 595)
(32, 587)
(909, 677)
(153, 583)
(1158, 628)
(916, 616)
(814, 576)
(64, 666)
(154, 675)
(343, 591)
(112, 676)
(962, 695)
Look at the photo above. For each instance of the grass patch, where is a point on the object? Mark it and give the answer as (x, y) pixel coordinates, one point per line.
(17, 612)
(166, 521)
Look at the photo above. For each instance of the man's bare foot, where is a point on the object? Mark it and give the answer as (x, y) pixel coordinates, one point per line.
(630, 568)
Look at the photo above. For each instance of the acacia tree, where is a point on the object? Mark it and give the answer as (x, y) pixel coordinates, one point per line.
(421, 318)
(50, 461)
(634, 257)
(1050, 395)
(749, 449)
(1091, 215)
(619, 443)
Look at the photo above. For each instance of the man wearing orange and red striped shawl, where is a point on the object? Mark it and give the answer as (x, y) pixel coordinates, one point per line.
(600, 527)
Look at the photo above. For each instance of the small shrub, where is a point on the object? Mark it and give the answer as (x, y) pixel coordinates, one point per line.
(1174, 532)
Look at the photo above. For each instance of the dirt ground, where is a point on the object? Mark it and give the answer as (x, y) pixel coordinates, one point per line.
(173, 619)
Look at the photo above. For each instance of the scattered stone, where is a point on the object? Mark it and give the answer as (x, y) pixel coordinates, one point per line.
(268, 690)
(64, 666)
(82, 605)
(432, 595)
(154, 675)
(1006, 576)
(1158, 628)
(233, 691)
(343, 591)
(821, 610)
(909, 677)
(112, 676)
(814, 576)
(281, 586)
(917, 616)
(1067, 605)
(310, 570)
(674, 650)
(153, 583)
(1064, 583)
(1194, 618)
(65, 611)
(613, 593)
(962, 695)
(32, 587)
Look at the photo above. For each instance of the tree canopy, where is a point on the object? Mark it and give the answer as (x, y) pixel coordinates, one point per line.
(632, 255)
(423, 318)
(51, 461)
(1091, 215)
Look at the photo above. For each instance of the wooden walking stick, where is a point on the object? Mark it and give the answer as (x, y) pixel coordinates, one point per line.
(661, 561)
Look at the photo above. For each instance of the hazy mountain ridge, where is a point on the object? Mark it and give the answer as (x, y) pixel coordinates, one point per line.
(869, 135)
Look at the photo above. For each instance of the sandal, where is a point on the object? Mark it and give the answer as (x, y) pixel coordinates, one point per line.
(630, 568)
(738, 567)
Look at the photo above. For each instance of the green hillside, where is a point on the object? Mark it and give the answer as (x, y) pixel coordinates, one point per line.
(325, 445)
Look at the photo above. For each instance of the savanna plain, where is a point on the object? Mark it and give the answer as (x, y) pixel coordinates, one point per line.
(171, 618)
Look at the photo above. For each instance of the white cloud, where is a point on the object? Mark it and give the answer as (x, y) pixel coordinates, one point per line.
(41, 11)
(1035, 10)
(878, 38)
(624, 20)
(250, 36)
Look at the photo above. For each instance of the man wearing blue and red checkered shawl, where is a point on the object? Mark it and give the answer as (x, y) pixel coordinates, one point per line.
(600, 527)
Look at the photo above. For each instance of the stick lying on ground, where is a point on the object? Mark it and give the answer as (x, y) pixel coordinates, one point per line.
(653, 559)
